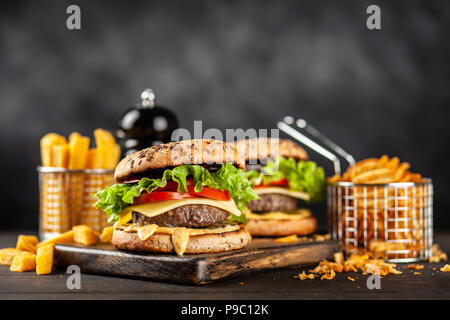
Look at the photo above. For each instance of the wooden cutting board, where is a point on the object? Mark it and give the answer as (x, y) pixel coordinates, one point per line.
(261, 254)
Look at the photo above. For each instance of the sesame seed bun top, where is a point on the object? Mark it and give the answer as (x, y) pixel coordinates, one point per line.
(173, 154)
(268, 148)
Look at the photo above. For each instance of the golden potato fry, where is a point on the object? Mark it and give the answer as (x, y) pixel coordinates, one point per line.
(7, 255)
(78, 149)
(383, 161)
(65, 237)
(106, 235)
(103, 137)
(60, 155)
(287, 239)
(346, 177)
(393, 164)
(334, 178)
(44, 259)
(108, 150)
(338, 257)
(27, 243)
(113, 158)
(73, 136)
(47, 142)
(400, 171)
(95, 159)
(415, 177)
(25, 261)
(85, 235)
(381, 175)
(363, 166)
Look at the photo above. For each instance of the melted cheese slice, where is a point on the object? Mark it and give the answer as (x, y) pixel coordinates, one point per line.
(153, 209)
(146, 231)
(180, 235)
(285, 191)
(298, 215)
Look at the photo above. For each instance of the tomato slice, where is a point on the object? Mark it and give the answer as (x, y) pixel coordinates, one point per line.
(281, 182)
(162, 196)
(210, 193)
(169, 192)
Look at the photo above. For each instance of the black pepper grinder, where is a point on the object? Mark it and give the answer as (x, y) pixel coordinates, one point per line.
(146, 124)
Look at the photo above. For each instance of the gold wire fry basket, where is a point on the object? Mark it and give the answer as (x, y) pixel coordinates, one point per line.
(66, 199)
(393, 221)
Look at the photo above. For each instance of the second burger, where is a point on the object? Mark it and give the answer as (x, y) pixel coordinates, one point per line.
(281, 176)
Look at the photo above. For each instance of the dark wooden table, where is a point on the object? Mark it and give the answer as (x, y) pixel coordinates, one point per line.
(278, 284)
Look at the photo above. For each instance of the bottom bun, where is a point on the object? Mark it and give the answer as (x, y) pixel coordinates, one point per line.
(278, 228)
(162, 242)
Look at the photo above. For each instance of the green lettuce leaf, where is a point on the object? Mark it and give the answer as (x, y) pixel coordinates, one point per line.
(303, 176)
(116, 198)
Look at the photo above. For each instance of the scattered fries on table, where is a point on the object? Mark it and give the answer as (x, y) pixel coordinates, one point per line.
(366, 263)
(30, 254)
(288, 239)
(437, 255)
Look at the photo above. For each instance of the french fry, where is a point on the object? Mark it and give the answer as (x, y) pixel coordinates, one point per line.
(376, 171)
(60, 155)
(338, 257)
(103, 137)
(381, 175)
(78, 148)
(85, 235)
(383, 160)
(94, 159)
(44, 259)
(27, 243)
(73, 136)
(393, 164)
(7, 255)
(106, 236)
(108, 150)
(287, 239)
(47, 143)
(113, 159)
(23, 262)
(401, 170)
(65, 237)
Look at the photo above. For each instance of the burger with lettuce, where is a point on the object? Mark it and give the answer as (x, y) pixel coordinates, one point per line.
(182, 197)
(281, 176)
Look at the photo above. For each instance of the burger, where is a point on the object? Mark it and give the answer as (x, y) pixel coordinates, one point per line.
(182, 197)
(281, 176)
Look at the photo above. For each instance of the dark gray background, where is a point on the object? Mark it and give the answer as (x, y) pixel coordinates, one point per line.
(232, 64)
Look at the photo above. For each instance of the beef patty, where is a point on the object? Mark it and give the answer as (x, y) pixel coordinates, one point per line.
(191, 216)
(273, 202)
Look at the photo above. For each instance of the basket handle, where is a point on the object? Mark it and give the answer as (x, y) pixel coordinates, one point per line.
(286, 125)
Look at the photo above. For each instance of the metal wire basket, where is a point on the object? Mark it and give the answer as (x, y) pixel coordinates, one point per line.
(393, 221)
(66, 199)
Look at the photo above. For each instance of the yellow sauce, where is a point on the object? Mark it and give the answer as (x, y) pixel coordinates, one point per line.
(180, 235)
